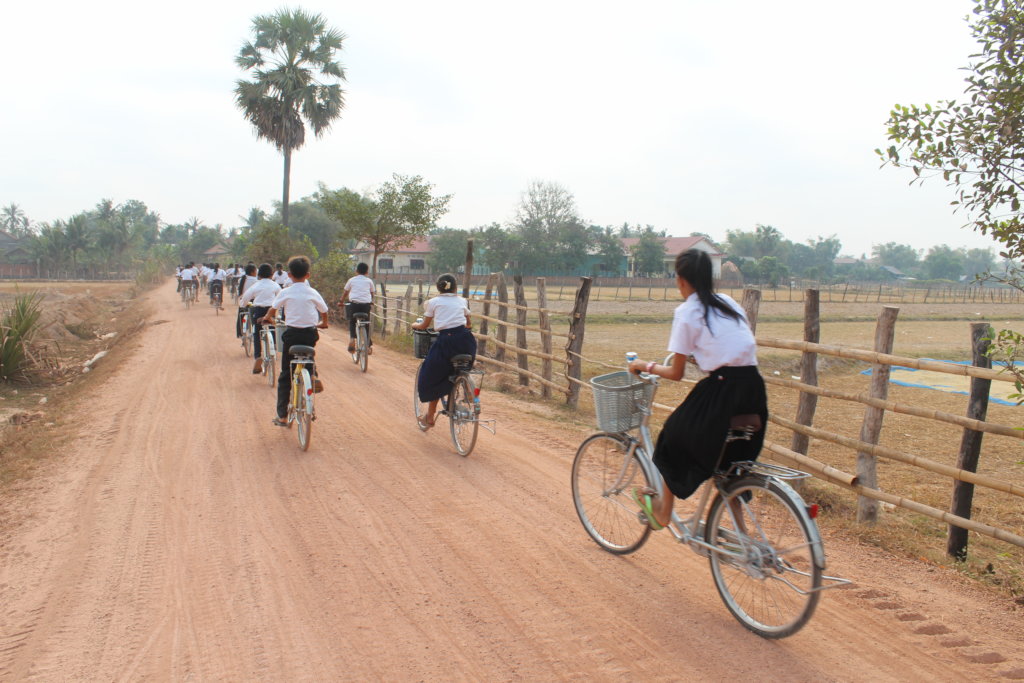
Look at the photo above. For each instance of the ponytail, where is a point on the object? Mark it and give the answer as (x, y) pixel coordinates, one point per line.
(446, 284)
(694, 266)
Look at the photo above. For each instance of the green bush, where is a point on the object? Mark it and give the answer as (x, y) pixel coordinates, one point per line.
(18, 326)
(330, 275)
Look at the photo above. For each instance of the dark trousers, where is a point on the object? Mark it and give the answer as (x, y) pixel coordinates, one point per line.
(434, 380)
(257, 343)
(353, 307)
(292, 336)
(215, 287)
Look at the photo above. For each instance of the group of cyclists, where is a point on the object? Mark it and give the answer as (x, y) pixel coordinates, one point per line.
(708, 328)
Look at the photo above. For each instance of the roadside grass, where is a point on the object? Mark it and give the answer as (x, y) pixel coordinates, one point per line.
(47, 404)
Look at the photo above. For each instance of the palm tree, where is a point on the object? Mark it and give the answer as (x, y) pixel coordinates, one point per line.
(255, 217)
(14, 221)
(291, 50)
(77, 237)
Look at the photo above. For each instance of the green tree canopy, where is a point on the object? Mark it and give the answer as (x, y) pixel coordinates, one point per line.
(394, 215)
(976, 145)
(649, 254)
(903, 257)
(448, 250)
(295, 80)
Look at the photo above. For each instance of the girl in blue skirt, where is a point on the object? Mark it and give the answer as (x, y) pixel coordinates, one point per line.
(448, 314)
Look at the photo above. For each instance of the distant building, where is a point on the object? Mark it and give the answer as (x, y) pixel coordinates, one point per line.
(12, 250)
(410, 259)
(674, 246)
(216, 253)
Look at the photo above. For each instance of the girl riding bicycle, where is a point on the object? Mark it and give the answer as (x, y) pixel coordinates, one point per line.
(713, 329)
(448, 314)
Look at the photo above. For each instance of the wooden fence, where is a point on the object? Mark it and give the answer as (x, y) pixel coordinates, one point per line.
(560, 373)
(553, 372)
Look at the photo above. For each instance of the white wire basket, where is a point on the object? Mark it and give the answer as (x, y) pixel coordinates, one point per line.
(620, 400)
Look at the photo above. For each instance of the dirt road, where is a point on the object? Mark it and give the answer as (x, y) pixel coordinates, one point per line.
(184, 537)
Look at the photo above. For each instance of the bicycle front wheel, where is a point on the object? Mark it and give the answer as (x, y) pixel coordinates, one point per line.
(303, 409)
(247, 340)
(764, 565)
(604, 475)
(419, 408)
(462, 417)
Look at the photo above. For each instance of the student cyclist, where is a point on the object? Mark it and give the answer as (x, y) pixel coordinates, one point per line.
(713, 329)
(217, 276)
(247, 279)
(262, 296)
(359, 291)
(305, 311)
(448, 313)
(281, 277)
(188, 279)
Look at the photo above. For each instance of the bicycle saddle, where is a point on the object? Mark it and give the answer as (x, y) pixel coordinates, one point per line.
(299, 350)
(462, 361)
(360, 316)
(743, 426)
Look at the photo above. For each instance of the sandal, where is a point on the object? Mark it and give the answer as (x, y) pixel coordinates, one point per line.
(424, 425)
(645, 504)
(281, 422)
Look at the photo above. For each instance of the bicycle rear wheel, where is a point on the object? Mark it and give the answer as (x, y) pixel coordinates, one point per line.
(269, 364)
(303, 408)
(462, 417)
(766, 573)
(419, 408)
(603, 478)
(361, 347)
(247, 339)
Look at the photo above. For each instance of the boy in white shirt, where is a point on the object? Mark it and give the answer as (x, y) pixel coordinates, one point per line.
(262, 295)
(359, 291)
(305, 312)
(281, 277)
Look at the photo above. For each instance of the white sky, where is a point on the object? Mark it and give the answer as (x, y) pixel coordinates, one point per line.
(690, 116)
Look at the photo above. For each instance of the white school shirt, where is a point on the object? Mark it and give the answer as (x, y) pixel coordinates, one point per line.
(262, 293)
(301, 305)
(187, 274)
(360, 289)
(727, 341)
(447, 310)
(218, 274)
(244, 282)
(282, 278)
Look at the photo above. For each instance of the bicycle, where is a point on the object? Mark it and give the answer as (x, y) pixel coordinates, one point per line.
(188, 294)
(360, 355)
(300, 403)
(268, 335)
(216, 296)
(247, 330)
(763, 546)
(462, 404)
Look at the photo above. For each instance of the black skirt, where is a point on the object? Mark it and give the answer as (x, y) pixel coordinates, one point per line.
(433, 381)
(691, 440)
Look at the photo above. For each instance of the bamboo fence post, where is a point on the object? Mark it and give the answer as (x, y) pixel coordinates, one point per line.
(499, 353)
(970, 443)
(523, 359)
(545, 335)
(482, 348)
(808, 403)
(469, 268)
(629, 294)
(384, 311)
(574, 347)
(871, 428)
(400, 316)
(751, 303)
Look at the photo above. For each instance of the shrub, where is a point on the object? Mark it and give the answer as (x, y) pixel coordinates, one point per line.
(18, 326)
(330, 275)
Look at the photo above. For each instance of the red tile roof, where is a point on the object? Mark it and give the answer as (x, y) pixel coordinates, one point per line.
(675, 245)
(420, 246)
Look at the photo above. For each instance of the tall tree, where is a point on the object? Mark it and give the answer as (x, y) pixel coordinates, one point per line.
(295, 81)
(394, 215)
(901, 256)
(649, 254)
(448, 250)
(548, 225)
